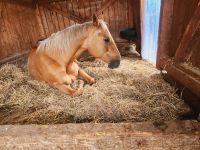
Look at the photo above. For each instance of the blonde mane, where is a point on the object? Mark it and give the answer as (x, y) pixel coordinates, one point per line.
(59, 43)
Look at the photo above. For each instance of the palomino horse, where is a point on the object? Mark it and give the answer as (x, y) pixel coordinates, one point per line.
(54, 60)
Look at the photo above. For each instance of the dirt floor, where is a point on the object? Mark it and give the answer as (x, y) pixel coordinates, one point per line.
(133, 92)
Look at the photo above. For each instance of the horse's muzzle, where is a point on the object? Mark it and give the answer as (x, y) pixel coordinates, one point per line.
(114, 63)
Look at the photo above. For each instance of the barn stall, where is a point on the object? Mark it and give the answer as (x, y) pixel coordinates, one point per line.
(110, 109)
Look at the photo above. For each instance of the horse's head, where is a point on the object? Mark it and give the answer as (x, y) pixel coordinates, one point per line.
(100, 44)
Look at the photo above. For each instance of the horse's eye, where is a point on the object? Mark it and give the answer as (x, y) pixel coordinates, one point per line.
(106, 40)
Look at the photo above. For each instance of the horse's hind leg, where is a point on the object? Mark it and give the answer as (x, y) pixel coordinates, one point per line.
(86, 77)
(68, 89)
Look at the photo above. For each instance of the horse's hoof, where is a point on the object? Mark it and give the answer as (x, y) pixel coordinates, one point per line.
(92, 81)
(78, 92)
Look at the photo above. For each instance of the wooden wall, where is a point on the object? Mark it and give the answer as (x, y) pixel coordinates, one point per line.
(179, 43)
(18, 26)
(55, 16)
(23, 22)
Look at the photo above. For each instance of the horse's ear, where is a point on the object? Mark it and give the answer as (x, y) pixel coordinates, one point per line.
(95, 20)
(101, 17)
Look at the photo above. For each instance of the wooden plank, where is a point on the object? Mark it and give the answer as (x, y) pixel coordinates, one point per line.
(22, 36)
(164, 36)
(49, 20)
(78, 8)
(105, 6)
(174, 19)
(49, 1)
(66, 19)
(58, 25)
(19, 28)
(137, 20)
(122, 12)
(183, 11)
(114, 20)
(147, 135)
(60, 18)
(12, 37)
(195, 61)
(179, 74)
(44, 20)
(109, 16)
(54, 19)
(91, 8)
(106, 16)
(116, 11)
(40, 22)
(187, 95)
(190, 30)
(130, 13)
(16, 58)
(31, 25)
(1, 25)
(85, 13)
(3, 32)
(64, 13)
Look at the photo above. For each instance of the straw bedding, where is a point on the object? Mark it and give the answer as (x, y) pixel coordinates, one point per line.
(133, 92)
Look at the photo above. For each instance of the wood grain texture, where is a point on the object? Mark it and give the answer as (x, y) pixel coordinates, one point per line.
(118, 13)
(19, 29)
(179, 43)
(157, 135)
(164, 36)
(183, 11)
(23, 22)
(191, 29)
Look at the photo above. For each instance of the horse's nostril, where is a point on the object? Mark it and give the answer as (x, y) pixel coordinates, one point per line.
(114, 63)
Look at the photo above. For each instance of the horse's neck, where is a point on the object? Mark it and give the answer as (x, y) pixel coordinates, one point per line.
(76, 49)
(69, 49)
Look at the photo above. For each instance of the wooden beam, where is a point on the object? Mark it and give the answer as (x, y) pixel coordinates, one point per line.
(180, 74)
(64, 13)
(165, 26)
(145, 135)
(186, 94)
(74, 17)
(17, 57)
(137, 19)
(105, 5)
(49, 1)
(192, 27)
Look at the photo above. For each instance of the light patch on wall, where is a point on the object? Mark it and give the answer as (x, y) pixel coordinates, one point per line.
(150, 29)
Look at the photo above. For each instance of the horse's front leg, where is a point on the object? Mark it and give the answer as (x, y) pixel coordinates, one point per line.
(63, 83)
(86, 77)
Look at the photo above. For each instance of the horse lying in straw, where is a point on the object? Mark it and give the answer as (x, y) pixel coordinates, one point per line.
(54, 60)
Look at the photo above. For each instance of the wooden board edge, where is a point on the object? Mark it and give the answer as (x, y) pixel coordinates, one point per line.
(20, 56)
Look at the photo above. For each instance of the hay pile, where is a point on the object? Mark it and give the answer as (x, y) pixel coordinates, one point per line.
(133, 92)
